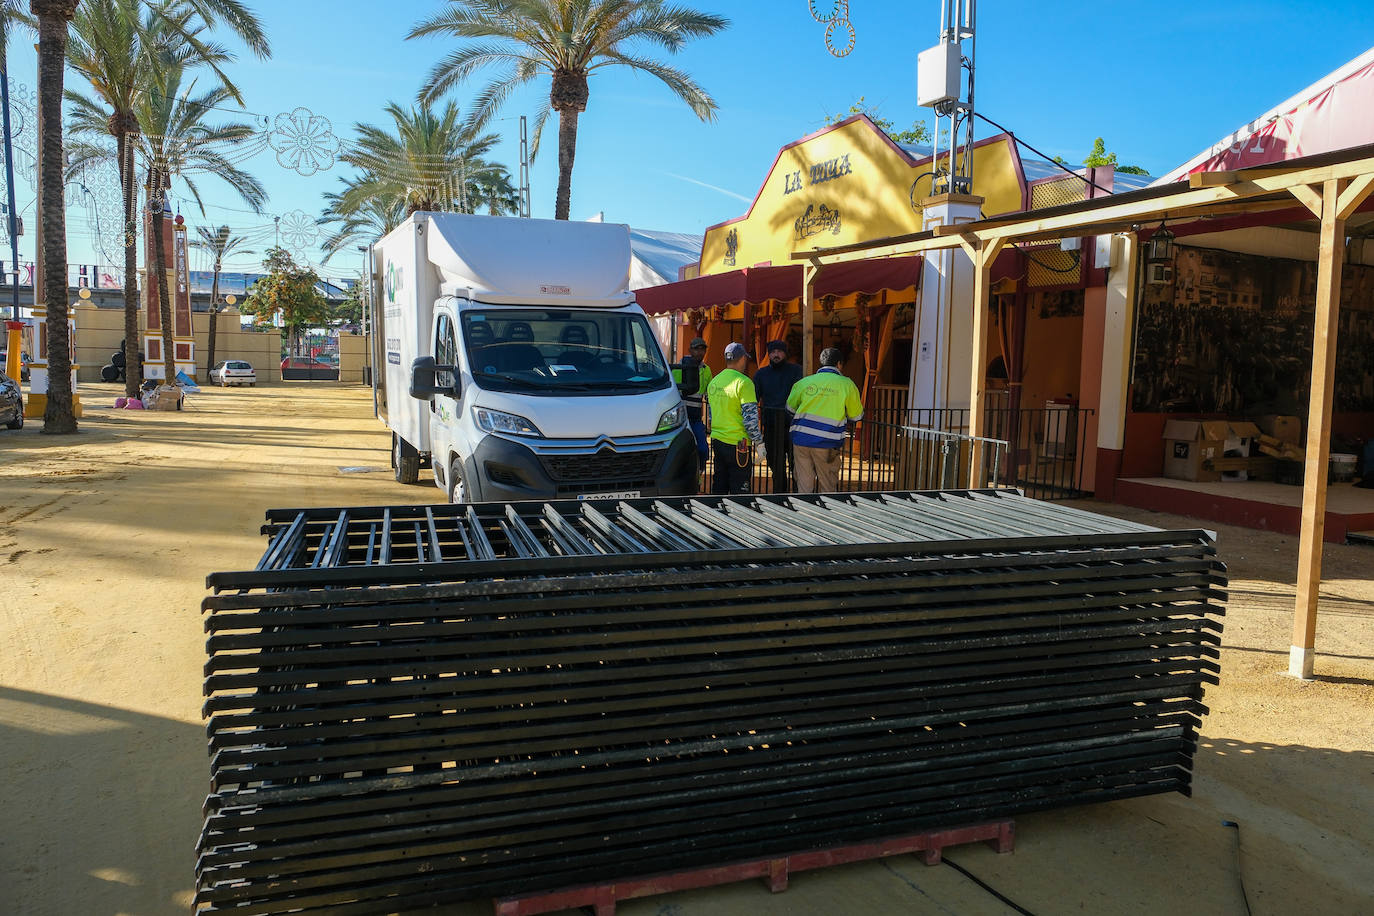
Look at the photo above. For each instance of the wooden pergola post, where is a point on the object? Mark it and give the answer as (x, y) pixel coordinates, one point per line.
(982, 253)
(1332, 205)
(808, 306)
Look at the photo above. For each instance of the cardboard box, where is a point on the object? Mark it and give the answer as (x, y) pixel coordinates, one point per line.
(1285, 429)
(1189, 443)
(1239, 439)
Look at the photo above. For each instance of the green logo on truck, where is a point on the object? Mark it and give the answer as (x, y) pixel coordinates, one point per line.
(394, 281)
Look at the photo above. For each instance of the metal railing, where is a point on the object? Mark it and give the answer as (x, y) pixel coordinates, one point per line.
(880, 455)
(1039, 450)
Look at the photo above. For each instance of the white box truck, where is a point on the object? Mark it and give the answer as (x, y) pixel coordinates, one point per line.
(517, 365)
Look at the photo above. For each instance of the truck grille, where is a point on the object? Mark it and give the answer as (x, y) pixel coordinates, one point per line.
(603, 465)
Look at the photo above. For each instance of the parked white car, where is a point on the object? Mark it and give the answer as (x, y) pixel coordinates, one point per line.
(234, 372)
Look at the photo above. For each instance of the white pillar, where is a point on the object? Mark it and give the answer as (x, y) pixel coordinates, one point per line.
(1117, 341)
(940, 356)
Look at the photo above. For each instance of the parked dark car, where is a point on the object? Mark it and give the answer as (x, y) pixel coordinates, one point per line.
(23, 364)
(11, 403)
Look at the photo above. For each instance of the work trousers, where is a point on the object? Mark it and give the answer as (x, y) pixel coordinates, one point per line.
(818, 469)
(726, 474)
(779, 444)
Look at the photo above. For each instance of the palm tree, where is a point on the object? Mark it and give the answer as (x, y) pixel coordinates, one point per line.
(492, 188)
(221, 243)
(424, 163)
(367, 220)
(53, 16)
(174, 142)
(117, 51)
(566, 39)
(178, 144)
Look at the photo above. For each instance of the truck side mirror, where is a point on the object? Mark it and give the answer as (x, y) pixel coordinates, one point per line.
(689, 378)
(425, 379)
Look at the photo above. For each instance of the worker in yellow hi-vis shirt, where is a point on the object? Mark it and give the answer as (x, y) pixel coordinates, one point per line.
(732, 422)
(823, 405)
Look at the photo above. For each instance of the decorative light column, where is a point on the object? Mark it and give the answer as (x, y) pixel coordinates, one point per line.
(37, 401)
(179, 283)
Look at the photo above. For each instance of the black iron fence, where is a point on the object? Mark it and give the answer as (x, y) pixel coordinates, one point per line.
(1040, 450)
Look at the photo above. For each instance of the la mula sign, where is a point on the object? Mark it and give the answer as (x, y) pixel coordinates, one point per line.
(821, 172)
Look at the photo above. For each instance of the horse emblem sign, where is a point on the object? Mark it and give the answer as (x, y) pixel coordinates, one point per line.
(817, 219)
(731, 247)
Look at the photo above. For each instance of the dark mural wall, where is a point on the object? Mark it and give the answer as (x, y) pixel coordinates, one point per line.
(1233, 334)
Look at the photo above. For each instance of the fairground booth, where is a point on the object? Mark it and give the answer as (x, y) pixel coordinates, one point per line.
(900, 320)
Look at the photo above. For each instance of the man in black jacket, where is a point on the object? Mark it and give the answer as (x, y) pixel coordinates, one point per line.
(774, 383)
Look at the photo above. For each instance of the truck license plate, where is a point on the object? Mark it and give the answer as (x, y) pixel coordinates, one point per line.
(620, 494)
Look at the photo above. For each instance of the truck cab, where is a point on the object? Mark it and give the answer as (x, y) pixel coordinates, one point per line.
(537, 377)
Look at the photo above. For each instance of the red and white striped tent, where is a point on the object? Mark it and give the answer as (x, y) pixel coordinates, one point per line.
(1336, 112)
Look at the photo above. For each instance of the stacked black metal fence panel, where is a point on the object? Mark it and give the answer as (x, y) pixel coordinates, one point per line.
(423, 704)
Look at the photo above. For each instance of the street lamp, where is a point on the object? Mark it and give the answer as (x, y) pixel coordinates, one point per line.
(369, 323)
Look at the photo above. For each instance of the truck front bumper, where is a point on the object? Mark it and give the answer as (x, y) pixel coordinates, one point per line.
(502, 470)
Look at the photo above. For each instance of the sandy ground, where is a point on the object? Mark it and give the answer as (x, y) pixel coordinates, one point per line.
(106, 538)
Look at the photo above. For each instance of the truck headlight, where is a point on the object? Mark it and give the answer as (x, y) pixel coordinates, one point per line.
(672, 419)
(497, 421)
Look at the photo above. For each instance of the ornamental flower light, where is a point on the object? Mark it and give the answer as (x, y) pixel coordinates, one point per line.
(304, 142)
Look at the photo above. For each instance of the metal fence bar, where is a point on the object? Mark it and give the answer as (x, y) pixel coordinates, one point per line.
(738, 678)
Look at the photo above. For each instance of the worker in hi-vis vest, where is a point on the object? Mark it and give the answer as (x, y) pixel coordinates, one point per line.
(696, 356)
(732, 422)
(822, 406)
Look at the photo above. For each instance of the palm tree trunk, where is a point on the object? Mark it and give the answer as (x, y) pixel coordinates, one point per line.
(214, 317)
(164, 301)
(567, 151)
(53, 16)
(133, 346)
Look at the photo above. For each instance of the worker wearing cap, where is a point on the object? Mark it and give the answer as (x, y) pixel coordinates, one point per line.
(696, 356)
(732, 422)
(774, 383)
(822, 406)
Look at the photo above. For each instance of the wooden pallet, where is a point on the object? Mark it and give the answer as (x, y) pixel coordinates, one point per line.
(1000, 835)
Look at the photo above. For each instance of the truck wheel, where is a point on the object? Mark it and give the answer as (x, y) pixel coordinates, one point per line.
(405, 459)
(457, 490)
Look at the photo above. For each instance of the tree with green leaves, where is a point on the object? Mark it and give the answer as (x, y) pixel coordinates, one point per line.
(53, 16)
(175, 142)
(349, 309)
(492, 190)
(116, 44)
(358, 218)
(287, 291)
(426, 158)
(1100, 157)
(220, 243)
(918, 134)
(566, 40)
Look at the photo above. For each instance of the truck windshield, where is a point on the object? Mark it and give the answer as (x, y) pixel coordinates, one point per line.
(562, 352)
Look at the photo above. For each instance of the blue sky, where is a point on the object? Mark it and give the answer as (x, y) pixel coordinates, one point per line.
(1158, 82)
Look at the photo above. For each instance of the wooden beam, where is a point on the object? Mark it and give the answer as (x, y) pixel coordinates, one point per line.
(1248, 183)
(1354, 195)
(982, 257)
(879, 249)
(808, 306)
(1309, 197)
(1244, 207)
(970, 245)
(1324, 331)
(1212, 179)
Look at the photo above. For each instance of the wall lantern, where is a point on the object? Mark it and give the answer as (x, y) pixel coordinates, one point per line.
(1160, 248)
